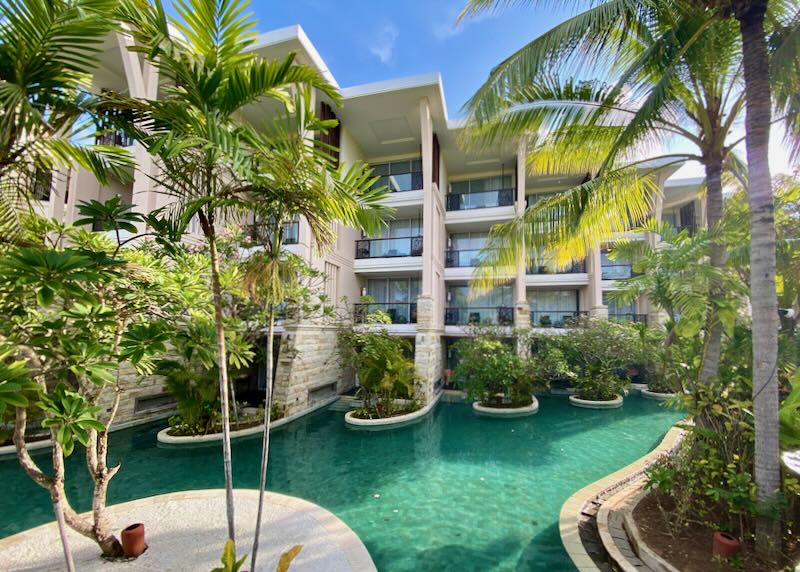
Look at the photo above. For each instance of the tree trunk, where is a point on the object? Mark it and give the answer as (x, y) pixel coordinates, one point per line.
(58, 509)
(222, 361)
(712, 347)
(764, 301)
(262, 480)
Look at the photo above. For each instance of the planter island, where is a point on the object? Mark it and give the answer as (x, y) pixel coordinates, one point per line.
(592, 404)
(506, 412)
(647, 394)
(390, 422)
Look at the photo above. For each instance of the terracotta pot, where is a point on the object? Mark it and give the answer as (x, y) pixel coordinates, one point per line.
(726, 545)
(133, 543)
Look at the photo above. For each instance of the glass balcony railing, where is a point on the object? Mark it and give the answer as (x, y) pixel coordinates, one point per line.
(556, 318)
(389, 247)
(480, 200)
(497, 315)
(463, 258)
(539, 267)
(616, 271)
(398, 312)
(628, 317)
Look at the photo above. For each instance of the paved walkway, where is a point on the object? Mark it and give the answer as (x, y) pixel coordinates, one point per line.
(186, 532)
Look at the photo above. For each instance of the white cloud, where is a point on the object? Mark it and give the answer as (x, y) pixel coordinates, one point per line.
(383, 45)
(447, 28)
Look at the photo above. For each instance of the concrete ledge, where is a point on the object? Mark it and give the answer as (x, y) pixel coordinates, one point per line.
(570, 510)
(195, 440)
(590, 404)
(187, 530)
(645, 553)
(11, 451)
(508, 413)
(391, 422)
(647, 394)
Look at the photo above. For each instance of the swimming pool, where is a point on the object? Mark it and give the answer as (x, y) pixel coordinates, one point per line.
(452, 492)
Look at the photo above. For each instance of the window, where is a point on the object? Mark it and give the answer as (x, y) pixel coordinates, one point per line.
(553, 300)
(331, 281)
(481, 185)
(465, 249)
(616, 308)
(399, 176)
(393, 290)
(480, 193)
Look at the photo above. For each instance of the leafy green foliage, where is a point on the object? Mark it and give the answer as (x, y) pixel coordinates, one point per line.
(228, 559)
(15, 380)
(492, 373)
(71, 416)
(112, 215)
(789, 417)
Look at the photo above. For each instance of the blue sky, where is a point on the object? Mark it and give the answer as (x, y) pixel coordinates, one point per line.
(365, 41)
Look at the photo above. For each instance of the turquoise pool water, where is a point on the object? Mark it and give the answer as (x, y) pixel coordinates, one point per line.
(455, 491)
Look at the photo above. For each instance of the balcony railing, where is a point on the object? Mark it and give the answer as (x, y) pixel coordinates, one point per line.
(462, 258)
(389, 247)
(628, 317)
(401, 182)
(480, 200)
(497, 315)
(398, 312)
(556, 318)
(616, 271)
(578, 267)
(258, 233)
(114, 139)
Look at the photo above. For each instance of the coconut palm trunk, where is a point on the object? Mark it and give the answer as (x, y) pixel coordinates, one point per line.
(750, 15)
(262, 479)
(712, 347)
(216, 290)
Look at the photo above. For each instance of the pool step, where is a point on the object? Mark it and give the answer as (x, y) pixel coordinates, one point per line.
(345, 403)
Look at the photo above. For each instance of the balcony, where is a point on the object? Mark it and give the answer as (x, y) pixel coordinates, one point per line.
(389, 247)
(114, 139)
(398, 312)
(462, 258)
(540, 267)
(616, 271)
(480, 200)
(628, 317)
(556, 318)
(497, 315)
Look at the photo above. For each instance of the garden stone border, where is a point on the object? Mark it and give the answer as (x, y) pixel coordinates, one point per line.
(506, 413)
(195, 440)
(391, 422)
(647, 394)
(590, 404)
(571, 510)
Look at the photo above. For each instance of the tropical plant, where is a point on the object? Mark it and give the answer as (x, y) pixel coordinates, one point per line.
(48, 52)
(73, 316)
(492, 373)
(385, 372)
(209, 74)
(293, 180)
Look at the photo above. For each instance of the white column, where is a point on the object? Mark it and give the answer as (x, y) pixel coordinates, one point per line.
(594, 291)
(521, 309)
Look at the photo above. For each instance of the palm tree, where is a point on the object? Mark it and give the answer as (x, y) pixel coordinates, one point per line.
(48, 52)
(601, 34)
(209, 76)
(291, 179)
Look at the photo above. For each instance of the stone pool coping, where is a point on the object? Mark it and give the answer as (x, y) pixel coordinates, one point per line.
(390, 422)
(572, 508)
(655, 395)
(594, 404)
(506, 413)
(193, 440)
(323, 534)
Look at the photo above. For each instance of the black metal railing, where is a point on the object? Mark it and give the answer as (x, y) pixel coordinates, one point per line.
(496, 315)
(398, 312)
(114, 139)
(401, 182)
(462, 258)
(540, 267)
(616, 271)
(389, 247)
(628, 317)
(258, 233)
(556, 318)
(480, 200)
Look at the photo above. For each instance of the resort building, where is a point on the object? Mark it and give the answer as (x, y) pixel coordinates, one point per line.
(418, 269)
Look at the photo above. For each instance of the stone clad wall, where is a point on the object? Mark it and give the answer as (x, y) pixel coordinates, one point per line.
(428, 351)
(134, 387)
(308, 362)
